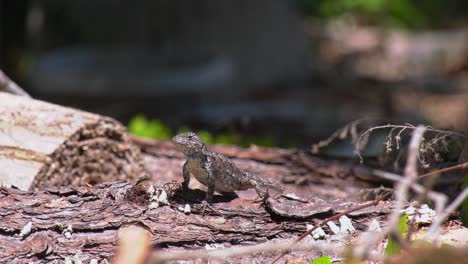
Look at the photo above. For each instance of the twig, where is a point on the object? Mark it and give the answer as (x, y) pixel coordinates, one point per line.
(161, 256)
(403, 127)
(423, 191)
(401, 193)
(349, 128)
(134, 244)
(438, 198)
(434, 229)
(437, 172)
(334, 217)
(9, 86)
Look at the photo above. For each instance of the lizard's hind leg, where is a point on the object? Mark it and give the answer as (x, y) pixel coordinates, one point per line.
(261, 189)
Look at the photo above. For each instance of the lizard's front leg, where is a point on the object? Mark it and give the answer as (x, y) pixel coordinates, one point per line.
(261, 189)
(186, 173)
(210, 182)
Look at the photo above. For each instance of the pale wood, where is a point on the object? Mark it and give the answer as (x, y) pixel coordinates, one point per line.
(43, 144)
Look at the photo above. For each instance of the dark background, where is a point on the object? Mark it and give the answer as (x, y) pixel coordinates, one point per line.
(289, 71)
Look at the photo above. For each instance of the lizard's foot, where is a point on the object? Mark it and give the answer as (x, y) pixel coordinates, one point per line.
(262, 199)
(205, 205)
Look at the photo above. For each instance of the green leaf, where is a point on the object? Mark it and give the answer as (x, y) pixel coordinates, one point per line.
(225, 139)
(322, 260)
(264, 142)
(403, 224)
(393, 247)
(464, 205)
(141, 126)
(138, 125)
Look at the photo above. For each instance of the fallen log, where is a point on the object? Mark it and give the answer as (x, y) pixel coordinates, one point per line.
(55, 146)
(85, 223)
(45, 145)
(54, 224)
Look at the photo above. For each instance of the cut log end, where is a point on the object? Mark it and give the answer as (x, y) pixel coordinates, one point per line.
(96, 153)
(45, 145)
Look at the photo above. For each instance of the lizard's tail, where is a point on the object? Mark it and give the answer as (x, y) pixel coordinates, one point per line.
(263, 186)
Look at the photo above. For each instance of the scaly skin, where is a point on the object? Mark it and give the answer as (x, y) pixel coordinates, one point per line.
(216, 171)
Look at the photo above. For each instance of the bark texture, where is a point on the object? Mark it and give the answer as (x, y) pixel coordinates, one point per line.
(86, 222)
(34, 225)
(44, 145)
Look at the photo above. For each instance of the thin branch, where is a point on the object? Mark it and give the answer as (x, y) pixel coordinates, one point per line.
(401, 193)
(434, 229)
(161, 256)
(334, 217)
(349, 128)
(438, 198)
(437, 172)
(406, 126)
(9, 86)
(390, 176)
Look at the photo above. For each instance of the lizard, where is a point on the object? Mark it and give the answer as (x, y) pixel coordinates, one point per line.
(216, 171)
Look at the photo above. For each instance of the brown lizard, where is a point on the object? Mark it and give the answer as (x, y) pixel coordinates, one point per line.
(216, 171)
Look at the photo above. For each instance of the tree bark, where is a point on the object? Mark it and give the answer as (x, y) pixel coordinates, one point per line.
(53, 224)
(49, 145)
(45, 145)
(86, 222)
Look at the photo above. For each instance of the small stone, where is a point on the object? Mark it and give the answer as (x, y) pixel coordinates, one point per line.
(68, 235)
(162, 197)
(153, 205)
(333, 227)
(67, 232)
(317, 233)
(422, 215)
(346, 226)
(187, 209)
(209, 247)
(26, 229)
(375, 226)
(77, 259)
(220, 220)
(151, 190)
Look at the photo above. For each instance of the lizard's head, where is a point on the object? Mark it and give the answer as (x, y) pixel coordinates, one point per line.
(189, 143)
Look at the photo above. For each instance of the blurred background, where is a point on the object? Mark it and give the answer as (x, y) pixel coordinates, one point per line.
(271, 72)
